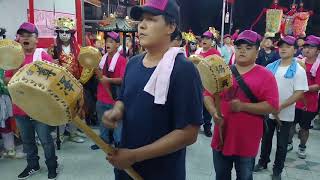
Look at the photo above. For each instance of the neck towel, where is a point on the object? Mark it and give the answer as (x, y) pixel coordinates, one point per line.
(158, 84)
(291, 72)
(113, 61)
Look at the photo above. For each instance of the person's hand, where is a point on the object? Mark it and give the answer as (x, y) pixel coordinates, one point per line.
(236, 105)
(277, 119)
(217, 118)
(110, 118)
(122, 158)
(98, 73)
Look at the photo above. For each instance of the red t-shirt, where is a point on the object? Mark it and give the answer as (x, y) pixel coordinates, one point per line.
(211, 51)
(27, 60)
(243, 131)
(311, 98)
(103, 95)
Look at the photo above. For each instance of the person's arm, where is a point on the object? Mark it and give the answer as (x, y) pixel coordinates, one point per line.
(261, 108)
(314, 88)
(116, 81)
(113, 116)
(170, 143)
(300, 86)
(269, 97)
(209, 105)
(292, 99)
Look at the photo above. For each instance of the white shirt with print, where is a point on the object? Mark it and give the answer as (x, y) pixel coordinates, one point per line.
(287, 87)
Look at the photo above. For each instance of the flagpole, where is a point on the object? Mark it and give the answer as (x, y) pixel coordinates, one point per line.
(223, 19)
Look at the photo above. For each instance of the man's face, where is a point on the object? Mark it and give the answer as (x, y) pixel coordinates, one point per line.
(268, 43)
(246, 54)
(28, 40)
(153, 30)
(227, 40)
(111, 45)
(129, 42)
(300, 42)
(286, 51)
(206, 43)
(64, 35)
(310, 52)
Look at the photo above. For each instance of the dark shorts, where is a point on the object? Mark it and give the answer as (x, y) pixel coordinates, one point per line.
(304, 118)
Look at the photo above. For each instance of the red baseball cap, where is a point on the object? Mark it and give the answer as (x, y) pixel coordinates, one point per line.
(207, 34)
(113, 35)
(157, 7)
(312, 41)
(248, 37)
(28, 27)
(290, 40)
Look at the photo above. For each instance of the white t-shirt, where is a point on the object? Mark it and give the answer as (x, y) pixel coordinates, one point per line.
(287, 87)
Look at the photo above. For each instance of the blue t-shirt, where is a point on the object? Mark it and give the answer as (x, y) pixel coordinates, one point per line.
(145, 122)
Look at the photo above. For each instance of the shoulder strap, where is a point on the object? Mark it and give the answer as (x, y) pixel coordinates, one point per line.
(243, 85)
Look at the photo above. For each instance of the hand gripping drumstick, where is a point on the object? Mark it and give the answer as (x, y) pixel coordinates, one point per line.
(104, 146)
(89, 57)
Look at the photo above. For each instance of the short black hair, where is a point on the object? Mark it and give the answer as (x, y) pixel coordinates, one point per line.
(20, 32)
(179, 36)
(171, 21)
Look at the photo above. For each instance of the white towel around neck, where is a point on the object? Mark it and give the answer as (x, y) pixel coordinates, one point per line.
(37, 55)
(113, 63)
(158, 84)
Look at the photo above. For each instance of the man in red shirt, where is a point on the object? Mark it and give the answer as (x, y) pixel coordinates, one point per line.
(206, 44)
(306, 109)
(28, 38)
(242, 120)
(207, 50)
(110, 74)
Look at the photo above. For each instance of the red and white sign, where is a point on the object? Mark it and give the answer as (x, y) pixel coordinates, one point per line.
(44, 20)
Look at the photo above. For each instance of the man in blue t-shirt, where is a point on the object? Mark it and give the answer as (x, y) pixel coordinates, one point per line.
(155, 135)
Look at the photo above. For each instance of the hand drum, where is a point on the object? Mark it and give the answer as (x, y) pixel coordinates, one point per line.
(46, 92)
(11, 54)
(215, 74)
(89, 59)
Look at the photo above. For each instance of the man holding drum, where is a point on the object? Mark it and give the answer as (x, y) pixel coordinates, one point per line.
(242, 114)
(27, 36)
(110, 75)
(160, 100)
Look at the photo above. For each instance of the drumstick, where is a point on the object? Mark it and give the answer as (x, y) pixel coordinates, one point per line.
(218, 109)
(104, 146)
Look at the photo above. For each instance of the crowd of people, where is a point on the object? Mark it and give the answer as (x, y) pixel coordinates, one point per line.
(151, 106)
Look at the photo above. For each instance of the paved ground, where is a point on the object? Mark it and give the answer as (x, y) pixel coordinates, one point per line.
(77, 161)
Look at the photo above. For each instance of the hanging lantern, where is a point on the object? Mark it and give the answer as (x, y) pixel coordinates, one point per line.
(227, 19)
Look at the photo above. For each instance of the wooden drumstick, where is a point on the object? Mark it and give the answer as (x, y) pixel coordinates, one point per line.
(218, 109)
(104, 146)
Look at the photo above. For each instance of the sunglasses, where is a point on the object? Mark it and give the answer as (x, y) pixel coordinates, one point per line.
(64, 32)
